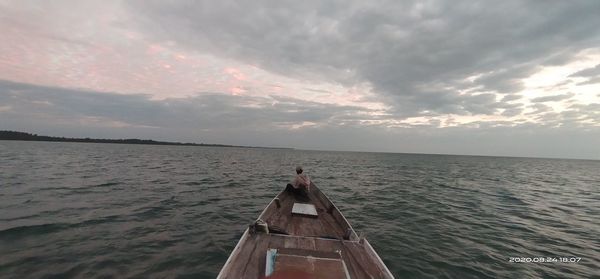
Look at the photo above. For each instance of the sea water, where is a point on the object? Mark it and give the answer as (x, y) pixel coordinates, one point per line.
(85, 210)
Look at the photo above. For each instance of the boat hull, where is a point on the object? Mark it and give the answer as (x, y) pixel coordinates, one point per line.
(328, 232)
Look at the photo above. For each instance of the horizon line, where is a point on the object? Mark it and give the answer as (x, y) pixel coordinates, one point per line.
(188, 144)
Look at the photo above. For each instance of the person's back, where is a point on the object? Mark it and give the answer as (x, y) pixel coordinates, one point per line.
(302, 180)
(300, 187)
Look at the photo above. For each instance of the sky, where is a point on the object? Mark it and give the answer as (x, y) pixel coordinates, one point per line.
(501, 78)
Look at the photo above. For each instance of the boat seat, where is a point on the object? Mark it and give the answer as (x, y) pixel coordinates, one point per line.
(303, 263)
(304, 209)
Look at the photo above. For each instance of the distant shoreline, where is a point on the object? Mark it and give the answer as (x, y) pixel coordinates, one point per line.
(22, 136)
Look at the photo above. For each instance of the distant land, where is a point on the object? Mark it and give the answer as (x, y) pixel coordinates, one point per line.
(14, 135)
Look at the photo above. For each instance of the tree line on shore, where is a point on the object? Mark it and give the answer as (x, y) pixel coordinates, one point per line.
(14, 135)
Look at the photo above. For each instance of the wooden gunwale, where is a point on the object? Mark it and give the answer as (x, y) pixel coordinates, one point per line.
(235, 250)
(355, 236)
(244, 236)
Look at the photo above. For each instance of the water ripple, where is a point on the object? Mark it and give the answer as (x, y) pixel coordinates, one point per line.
(70, 210)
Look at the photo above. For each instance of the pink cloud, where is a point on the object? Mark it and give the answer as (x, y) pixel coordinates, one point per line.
(106, 57)
(236, 90)
(235, 73)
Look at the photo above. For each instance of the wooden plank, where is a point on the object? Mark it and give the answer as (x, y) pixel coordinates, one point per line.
(363, 260)
(326, 226)
(256, 264)
(292, 225)
(337, 245)
(354, 267)
(320, 229)
(377, 260)
(307, 243)
(285, 213)
(238, 264)
(309, 267)
(327, 245)
(277, 219)
(335, 214)
(290, 242)
(281, 216)
(277, 241)
(301, 225)
(331, 227)
(308, 252)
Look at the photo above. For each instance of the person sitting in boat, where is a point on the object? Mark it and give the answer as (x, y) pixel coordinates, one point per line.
(300, 187)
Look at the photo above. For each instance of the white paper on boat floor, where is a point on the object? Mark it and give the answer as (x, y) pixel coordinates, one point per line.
(304, 209)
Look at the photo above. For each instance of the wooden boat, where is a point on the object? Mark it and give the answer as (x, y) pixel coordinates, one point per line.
(293, 239)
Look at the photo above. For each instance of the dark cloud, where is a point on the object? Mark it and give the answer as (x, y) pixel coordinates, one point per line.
(590, 81)
(202, 114)
(589, 72)
(505, 80)
(590, 112)
(510, 112)
(484, 138)
(403, 49)
(510, 98)
(433, 103)
(592, 74)
(574, 117)
(220, 118)
(552, 98)
(539, 109)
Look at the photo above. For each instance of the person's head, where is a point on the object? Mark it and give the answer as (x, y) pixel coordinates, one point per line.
(298, 169)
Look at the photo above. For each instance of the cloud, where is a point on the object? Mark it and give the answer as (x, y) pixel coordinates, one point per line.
(509, 112)
(592, 75)
(417, 76)
(574, 117)
(208, 112)
(510, 98)
(552, 98)
(405, 50)
(505, 80)
(589, 72)
(539, 109)
(285, 121)
(594, 80)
